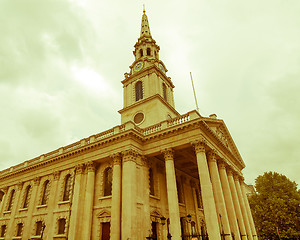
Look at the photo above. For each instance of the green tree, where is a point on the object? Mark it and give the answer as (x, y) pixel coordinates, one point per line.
(275, 207)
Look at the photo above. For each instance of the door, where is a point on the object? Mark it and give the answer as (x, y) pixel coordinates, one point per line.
(105, 231)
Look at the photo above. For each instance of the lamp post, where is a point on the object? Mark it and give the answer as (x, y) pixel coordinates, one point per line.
(163, 222)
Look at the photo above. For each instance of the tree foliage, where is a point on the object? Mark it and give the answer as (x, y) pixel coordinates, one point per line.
(276, 206)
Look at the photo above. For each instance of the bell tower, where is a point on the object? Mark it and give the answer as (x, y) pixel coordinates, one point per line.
(148, 92)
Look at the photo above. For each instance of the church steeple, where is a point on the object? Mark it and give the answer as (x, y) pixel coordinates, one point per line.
(148, 92)
(145, 29)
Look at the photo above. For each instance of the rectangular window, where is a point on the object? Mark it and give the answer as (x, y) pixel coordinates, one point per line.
(39, 227)
(19, 229)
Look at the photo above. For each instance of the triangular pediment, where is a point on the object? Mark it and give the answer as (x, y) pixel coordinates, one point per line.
(104, 214)
(222, 133)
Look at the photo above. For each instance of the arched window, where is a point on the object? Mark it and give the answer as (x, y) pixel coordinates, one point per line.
(10, 201)
(141, 52)
(179, 192)
(164, 91)
(198, 199)
(138, 91)
(38, 228)
(107, 181)
(27, 196)
(19, 229)
(61, 226)
(67, 188)
(3, 231)
(45, 192)
(151, 182)
(148, 51)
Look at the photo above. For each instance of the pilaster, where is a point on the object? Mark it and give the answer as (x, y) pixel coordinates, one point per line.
(32, 204)
(129, 178)
(74, 228)
(89, 201)
(116, 197)
(49, 230)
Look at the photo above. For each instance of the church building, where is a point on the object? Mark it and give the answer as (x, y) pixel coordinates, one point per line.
(158, 175)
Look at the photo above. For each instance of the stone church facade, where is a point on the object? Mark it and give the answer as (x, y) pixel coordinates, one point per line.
(158, 175)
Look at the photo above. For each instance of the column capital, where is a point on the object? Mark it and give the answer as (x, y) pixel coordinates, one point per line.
(168, 154)
(116, 158)
(90, 166)
(222, 164)
(199, 145)
(36, 181)
(4, 190)
(56, 175)
(212, 155)
(145, 161)
(79, 168)
(19, 185)
(129, 155)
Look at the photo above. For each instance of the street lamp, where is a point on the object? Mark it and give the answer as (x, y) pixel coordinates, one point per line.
(163, 222)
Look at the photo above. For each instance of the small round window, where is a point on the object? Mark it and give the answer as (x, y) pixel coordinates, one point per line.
(138, 118)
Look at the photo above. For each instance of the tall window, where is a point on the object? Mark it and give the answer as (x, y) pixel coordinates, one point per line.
(179, 192)
(141, 52)
(38, 228)
(151, 182)
(45, 193)
(138, 91)
(19, 229)
(164, 91)
(198, 199)
(107, 181)
(3, 230)
(154, 230)
(61, 226)
(11, 199)
(148, 51)
(27, 196)
(67, 188)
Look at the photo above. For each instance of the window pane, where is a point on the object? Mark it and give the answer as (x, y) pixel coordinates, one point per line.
(45, 193)
(19, 229)
(61, 226)
(27, 197)
(39, 227)
(108, 182)
(67, 188)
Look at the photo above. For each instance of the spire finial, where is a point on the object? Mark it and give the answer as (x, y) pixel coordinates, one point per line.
(144, 8)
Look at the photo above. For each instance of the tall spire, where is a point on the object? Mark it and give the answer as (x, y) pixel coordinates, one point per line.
(145, 29)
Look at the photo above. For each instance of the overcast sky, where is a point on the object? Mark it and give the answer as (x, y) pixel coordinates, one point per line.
(61, 63)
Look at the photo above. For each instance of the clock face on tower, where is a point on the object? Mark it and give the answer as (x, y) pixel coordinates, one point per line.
(138, 66)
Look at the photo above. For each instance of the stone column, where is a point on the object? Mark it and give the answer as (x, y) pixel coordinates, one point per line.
(175, 228)
(146, 196)
(229, 202)
(16, 205)
(89, 201)
(4, 199)
(129, 196)
(243, 208)
(218, 193)
(248, 210)
(209, 206)
(74, 227)
(50, 227)
(237, 206)
(115, 221)
(32, 205)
